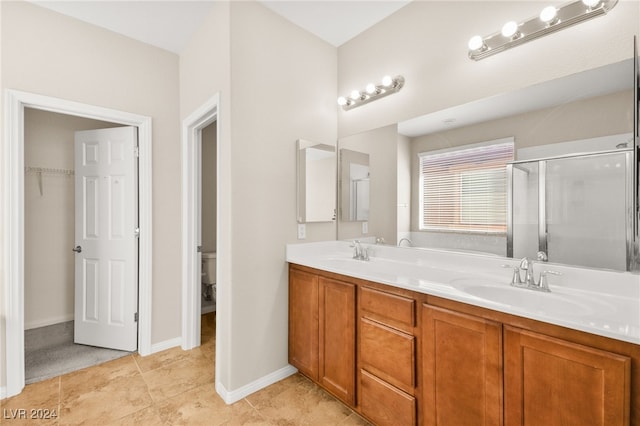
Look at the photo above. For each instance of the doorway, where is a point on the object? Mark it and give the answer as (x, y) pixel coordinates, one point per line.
(13, 256)
(61, 334)
(199, 128)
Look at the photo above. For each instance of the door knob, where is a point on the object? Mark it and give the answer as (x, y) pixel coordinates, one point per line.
(77, 249)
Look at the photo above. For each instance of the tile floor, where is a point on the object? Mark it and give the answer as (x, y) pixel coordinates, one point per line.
(173, 387)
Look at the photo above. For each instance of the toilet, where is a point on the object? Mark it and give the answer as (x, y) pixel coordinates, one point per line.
(209, 276)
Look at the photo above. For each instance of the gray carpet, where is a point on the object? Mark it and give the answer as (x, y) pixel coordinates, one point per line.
(50, 352)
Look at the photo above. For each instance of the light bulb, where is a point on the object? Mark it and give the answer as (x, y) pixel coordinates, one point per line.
(386, 81)
(342, 101)
(548, 14)
(476, 43)
(591, 3)
(510, 29)
(355, 95)
(371, 88)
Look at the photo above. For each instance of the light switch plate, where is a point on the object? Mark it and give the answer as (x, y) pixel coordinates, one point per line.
(365, 227)
(302, 231)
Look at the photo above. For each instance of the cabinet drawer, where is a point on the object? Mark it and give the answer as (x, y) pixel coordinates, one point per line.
(384, 404)
(388, 353)
(391, 309)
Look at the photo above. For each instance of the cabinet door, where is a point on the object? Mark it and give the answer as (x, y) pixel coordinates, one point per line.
(338, 338)
(550, 381)
(461, 369)
(303, 322)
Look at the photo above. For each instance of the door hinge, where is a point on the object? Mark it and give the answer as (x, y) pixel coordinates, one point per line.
(136, 232)
(135, 317)
(136, 151)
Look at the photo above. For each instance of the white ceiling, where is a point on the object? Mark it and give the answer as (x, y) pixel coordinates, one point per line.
(170, 24)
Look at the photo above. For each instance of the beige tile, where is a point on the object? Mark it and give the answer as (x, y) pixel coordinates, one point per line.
(145, 417)
(89, 379)
(203, 406)
(39, 403)
(160, 359)
(105, 403)
(296, 400)
(180, 376)
(355, 420)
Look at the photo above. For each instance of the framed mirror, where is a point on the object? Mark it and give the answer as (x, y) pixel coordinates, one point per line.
(316, 182)
(587, 112)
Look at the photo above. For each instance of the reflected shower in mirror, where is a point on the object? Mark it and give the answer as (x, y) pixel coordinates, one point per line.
(316, 182)
(591, 111)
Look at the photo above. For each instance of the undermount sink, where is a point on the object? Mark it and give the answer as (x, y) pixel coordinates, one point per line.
(550, 303)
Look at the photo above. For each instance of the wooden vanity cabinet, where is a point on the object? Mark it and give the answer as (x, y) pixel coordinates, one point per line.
(550, 381)
(461, 369)
(387, 348)
(401, 358)
(322, 315)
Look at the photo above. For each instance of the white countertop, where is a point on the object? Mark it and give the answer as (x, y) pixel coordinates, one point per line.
(606, 303)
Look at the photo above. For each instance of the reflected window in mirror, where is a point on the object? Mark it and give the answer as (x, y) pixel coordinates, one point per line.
(465, 189)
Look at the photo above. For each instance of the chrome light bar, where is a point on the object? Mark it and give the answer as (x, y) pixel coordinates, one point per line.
(551, 19)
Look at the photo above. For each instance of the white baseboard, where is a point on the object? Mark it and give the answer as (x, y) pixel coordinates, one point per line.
(167, 344)
(49, 321)
(3, 392)
(230, 397)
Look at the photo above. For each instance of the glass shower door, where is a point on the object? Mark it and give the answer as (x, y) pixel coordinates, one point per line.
(522, 234)
(587, 201)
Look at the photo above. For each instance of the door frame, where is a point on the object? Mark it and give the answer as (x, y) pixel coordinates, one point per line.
(12, 198)
(191, 277)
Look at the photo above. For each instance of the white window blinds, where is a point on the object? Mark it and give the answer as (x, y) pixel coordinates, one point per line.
(465, 189)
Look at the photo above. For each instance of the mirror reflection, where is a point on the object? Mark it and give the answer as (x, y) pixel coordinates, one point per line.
(316, 182)
(354, 185)
(467, 209)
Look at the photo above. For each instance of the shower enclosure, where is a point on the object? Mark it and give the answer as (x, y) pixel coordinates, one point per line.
(578, 209)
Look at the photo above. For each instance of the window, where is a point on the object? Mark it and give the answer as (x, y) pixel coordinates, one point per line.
(465, 189)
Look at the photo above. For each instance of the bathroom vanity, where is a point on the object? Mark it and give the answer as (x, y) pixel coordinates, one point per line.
(434, 338)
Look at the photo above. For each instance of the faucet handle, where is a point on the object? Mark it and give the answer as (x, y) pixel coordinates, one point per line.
(543, 283)
(515, 279)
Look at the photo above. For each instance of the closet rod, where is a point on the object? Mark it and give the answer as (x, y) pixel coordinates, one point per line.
(48, 171)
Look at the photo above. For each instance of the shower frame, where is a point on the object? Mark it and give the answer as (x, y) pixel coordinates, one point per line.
(542, 202)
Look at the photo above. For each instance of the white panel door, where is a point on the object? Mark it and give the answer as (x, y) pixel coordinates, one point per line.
(106, 218)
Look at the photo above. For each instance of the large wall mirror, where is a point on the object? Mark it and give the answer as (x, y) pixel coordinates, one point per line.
(565, 185)
(316, 180)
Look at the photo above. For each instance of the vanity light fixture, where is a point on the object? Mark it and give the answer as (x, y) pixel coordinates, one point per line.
(372, 92)
(551, 19)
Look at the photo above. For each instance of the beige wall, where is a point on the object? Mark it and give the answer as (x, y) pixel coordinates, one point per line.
(204, 72)
(47, 53)
(283, 89)
(277, 84)
(426, 42)
(49, 216)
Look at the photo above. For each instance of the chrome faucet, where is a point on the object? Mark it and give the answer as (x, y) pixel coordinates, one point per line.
(526, 265)
(405, 239)
(529, 281)
(359, 252)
